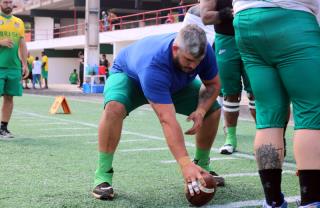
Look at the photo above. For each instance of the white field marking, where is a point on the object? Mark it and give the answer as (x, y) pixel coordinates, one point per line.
(17, 117)
(241, 155)
(44, 124)
(251, 203)
(67, 128)
(144, 149)
(144, 107)
(122, 141)
(65, 135)
(73, 99)
(232, 175)
(211, 159)
(149, 137)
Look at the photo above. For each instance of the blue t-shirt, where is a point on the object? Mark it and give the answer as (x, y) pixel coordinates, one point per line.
(150, 63)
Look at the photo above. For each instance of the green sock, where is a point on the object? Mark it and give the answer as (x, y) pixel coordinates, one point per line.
(231, 136)
(104, 165)
(202, 156)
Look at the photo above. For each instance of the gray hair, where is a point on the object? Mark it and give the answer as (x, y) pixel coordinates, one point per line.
(192, 39)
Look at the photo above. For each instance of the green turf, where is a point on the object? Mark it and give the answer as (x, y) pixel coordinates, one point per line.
(49, 164)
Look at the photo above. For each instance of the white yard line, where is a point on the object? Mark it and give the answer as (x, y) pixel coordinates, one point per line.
(254, 174)
(67, 128)
(251, 203)
(241, 155)
(144, 149)
(238, 155)
(211, 159)
(44, 124)
(65, 135)
(122, 141)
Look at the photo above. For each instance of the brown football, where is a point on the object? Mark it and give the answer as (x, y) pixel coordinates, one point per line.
(206, 193)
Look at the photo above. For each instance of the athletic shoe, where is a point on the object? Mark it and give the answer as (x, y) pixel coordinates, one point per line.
(312, 205)
(103, 191)
(219, 179)
(227, 149)
(5, 134)
(283, 205)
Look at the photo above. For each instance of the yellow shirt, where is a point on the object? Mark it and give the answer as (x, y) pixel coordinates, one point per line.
(13, 28)
(30, 60)
(45, 60)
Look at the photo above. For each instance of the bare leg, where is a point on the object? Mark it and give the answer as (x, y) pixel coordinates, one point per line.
(204, 141)
(208, 131)
(7, 108)
(231, 107)
(109, 133)
(269, 154)
(110, 126)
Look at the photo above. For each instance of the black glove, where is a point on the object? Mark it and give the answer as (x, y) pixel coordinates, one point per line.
(226, 14)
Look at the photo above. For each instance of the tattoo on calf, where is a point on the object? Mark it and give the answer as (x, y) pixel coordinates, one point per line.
(268, 157)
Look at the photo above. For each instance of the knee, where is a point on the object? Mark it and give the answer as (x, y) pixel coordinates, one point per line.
(214, 116)
(231, 103)
(252, 104)
(115, 109)
(8, 99)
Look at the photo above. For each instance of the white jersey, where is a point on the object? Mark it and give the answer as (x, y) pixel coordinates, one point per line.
(36, 67)
(194, 19)
(311, 6)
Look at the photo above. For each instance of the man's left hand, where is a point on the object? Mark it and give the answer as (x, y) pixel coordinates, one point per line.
(25, 72)
(197, 118)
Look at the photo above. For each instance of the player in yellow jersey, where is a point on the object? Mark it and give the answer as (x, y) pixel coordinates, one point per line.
(30, 60)
(45, 67)
(13, 53)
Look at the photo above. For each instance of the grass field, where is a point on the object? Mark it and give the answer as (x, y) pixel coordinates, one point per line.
(52, 160)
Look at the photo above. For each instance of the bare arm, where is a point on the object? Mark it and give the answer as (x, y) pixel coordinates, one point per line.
(171, 128)
(209, 92)
(175, 140)
(208, 12)
(23, 52)
(6, 42)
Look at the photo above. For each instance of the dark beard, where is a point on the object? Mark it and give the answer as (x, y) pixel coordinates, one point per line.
(6, 11)
(177, 64)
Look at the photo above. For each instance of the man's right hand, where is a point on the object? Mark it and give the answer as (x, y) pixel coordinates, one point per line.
(7, 42)
(192, 174)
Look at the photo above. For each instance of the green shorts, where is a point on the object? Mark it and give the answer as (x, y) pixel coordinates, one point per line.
(44, 74)
(10, 82)
(282, 62)
(124, 89)
(231, 70)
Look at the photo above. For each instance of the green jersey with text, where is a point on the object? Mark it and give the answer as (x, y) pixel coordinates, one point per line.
(13, 28)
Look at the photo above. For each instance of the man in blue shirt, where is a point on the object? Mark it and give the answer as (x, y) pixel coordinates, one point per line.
(161, 70)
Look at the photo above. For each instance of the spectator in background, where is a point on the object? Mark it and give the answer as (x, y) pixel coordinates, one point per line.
(142, 23)
(170, 18)
(113, 18)
(73, 78)
(104, 62)
(45, 67)
(81, 68)
(105, 21)
(30, 60)
(182, 11)
(36, 72)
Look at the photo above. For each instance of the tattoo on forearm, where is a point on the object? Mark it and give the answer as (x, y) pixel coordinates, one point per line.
(206, 94)
(268, 157)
